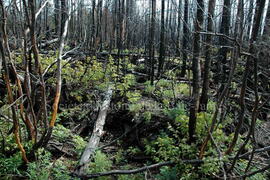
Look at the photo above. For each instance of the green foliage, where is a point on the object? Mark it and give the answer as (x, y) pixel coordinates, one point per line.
(128, 81)
(167, 173)
(10, 165)
(133, 97)
(172, 113)
(241, 166)
(167, 91)
(131, 177)
(119, 156)
(40, 169)
(79, 143)
(101, 163)
(163, 148)
(60, 170)
(211, 106)
(149, 89)
(135, 108)
(172, 145)
(147, 116)
(44, 168)
(182, 89)
(133, 150)
(61, 134)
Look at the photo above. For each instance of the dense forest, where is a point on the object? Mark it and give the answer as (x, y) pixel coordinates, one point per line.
(134, 89)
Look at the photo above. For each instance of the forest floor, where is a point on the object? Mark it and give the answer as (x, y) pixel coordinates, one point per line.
(145, 123)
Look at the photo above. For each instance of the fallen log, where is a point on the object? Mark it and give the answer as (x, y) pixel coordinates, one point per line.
(96, 135)
(134, 171)
(42, 45)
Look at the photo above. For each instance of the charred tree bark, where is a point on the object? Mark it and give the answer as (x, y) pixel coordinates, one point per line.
(93, 31)
(208, 54)
(57, 16)
(196, 72)
(236, 55)
(266, 31)
(225, 29)
(47, 134)
(185, 40)
(152, 41)
(179, 31)
(255, 31)
(3, 46)
(162, 40)
(249, 18)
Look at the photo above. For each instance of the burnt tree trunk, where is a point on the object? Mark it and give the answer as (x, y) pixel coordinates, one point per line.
(224, 29)
(208, 54)
(196, 71)
(162, 40)
(185, 40)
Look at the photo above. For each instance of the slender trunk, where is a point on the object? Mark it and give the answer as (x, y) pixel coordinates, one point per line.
(178, 43)
(57, 16)
(259, 12)
(196, 71)
(249, 19)
(37, 62)
(47, 135)
(185, 40)
(162, 40)
(3, 46)
(236, 55)
(152, 42)
(266, 30)
(93, 39)
(225, 29)
(208, 54)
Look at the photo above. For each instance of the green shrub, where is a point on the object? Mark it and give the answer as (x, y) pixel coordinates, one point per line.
(10, 165)
(101, 163)
(167, 173)
(40, 169)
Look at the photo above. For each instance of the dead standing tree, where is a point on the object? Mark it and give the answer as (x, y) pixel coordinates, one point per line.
(194, 106)
(255, 31)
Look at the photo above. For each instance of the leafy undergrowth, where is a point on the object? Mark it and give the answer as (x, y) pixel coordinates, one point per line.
(154, 118)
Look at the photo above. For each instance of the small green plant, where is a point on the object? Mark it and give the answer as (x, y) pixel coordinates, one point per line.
(149, 89)
(119, 158)
(40, 169)
(163, 149)
(167, 173)
(60, 171)
(79, 142)
(133, 97)
(61, 134)
(10, 165)
(101, 163)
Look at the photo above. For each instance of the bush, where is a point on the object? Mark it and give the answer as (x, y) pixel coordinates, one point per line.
(101, 163)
